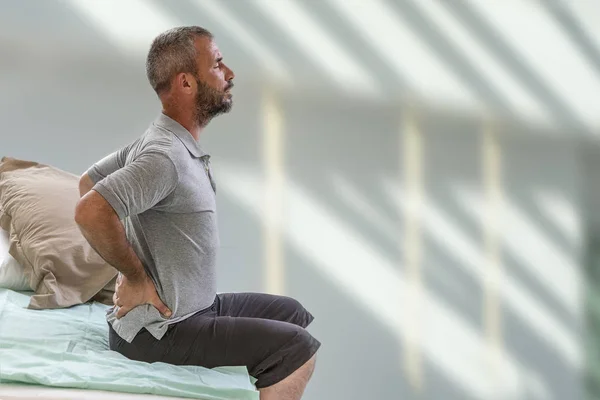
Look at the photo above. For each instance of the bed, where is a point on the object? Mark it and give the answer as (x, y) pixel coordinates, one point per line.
(63, 354)
(54, 293)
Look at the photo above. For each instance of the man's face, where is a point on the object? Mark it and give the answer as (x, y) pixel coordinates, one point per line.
(214, 81)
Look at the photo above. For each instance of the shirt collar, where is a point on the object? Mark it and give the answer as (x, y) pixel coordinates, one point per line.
(165, 122)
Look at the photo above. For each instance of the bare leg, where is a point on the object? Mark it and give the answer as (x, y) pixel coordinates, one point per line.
(292, 387)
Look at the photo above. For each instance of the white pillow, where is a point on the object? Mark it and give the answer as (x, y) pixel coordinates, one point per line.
(12, 274)
(3, 244)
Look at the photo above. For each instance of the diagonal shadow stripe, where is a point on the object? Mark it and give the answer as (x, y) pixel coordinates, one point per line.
(389, 78)
(453, 58)
(317, 43)
(525, 73)
(572, 27)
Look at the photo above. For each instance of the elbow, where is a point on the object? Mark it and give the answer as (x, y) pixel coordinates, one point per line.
(81, 188)
(85, 184)
(92, 210)
(83, 214)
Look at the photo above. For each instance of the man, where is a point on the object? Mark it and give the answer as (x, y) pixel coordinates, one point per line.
(149, 211)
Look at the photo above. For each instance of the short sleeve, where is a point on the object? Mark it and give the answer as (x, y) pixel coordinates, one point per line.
(108, 165)
(139, 185)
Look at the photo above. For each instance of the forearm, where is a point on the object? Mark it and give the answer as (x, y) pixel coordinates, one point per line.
(106, 235)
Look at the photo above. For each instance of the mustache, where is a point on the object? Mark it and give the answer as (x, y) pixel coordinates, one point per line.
(229, 86)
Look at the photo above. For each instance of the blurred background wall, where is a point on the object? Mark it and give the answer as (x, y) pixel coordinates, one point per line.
(420, 174)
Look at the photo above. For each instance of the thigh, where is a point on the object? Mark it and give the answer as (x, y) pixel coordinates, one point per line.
(266, 306)
(271, 350)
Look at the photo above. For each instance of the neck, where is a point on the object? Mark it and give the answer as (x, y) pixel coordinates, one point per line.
(187, 119)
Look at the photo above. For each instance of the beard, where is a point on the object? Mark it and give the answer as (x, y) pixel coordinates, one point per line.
(211, 102)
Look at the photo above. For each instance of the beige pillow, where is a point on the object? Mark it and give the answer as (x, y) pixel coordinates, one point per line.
(37, 207)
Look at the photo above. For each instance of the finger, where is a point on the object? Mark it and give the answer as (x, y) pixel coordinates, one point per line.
(160, 306)
(122, 312)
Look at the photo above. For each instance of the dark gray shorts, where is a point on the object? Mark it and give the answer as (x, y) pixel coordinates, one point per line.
(263, 332)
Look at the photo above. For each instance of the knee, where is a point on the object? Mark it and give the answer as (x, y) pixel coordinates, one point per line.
(307, 346)
(299, 315)
(310, 364)
(302, 353)
(292, 358)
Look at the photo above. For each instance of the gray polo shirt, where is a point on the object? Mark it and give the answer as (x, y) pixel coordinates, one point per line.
(162, 190)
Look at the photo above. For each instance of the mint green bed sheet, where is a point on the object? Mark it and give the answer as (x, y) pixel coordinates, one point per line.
(69, 348)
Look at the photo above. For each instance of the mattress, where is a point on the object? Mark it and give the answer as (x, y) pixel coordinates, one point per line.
(63, 354)
(36, 392)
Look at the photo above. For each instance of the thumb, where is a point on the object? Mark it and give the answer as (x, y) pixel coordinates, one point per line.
(160, 306)
(122, 312)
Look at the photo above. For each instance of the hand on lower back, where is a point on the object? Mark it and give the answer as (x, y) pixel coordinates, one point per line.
(132, 293)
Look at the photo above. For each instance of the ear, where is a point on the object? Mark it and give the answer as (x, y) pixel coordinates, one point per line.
(183, 81)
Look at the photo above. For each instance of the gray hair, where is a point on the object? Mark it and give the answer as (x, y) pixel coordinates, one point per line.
(173, 52)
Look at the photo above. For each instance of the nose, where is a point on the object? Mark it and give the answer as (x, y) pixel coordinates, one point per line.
(229, 75)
